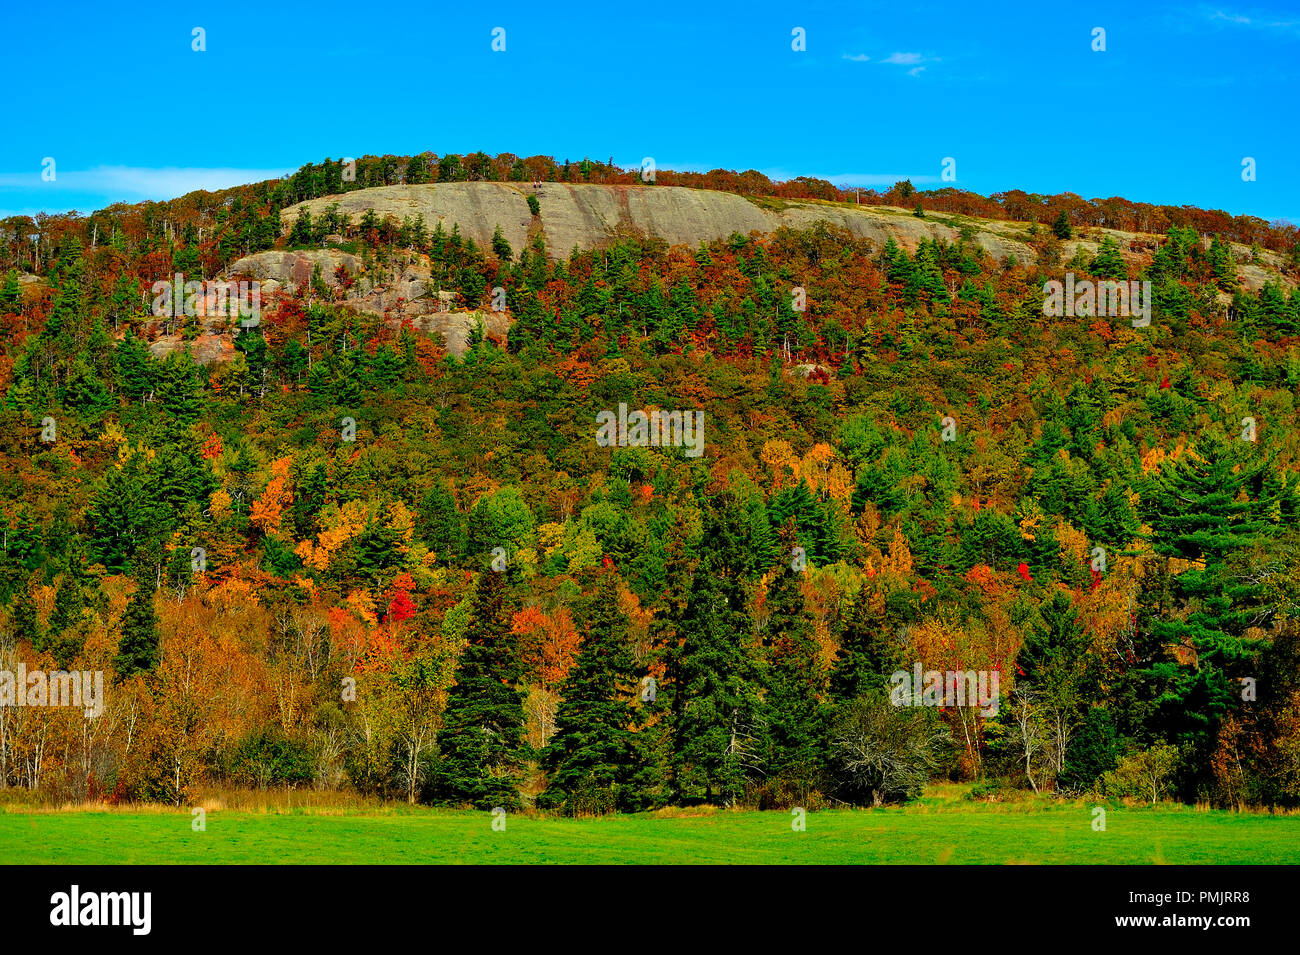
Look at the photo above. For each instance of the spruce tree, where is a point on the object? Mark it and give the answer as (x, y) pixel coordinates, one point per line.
(719, 730)
(1203, 507)
(481, 741)
(868, 654)
(124, 302)
(501, 246)
(66, 639)
(138, 651)
(1055, 658)
(898, 265)
(592, 756)
(11, 293)
(1061, 227)
(925, 281)
(69, 305)
(795, 678)
(67, 604)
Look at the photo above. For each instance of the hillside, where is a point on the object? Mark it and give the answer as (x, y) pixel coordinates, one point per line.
(583, 217)
(353, 536)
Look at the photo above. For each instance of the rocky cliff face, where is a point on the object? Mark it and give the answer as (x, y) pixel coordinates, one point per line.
(402, 293)
(588, 216)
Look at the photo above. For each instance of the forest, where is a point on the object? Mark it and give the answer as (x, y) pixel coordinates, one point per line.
(348, 560)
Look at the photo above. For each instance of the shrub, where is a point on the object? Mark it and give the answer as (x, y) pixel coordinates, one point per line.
(988, 790)
(1148, 773)
(268, 759)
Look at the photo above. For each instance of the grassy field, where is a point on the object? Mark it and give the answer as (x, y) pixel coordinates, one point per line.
(942, 828)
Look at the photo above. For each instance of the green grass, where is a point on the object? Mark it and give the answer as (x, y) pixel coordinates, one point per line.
(935, 830)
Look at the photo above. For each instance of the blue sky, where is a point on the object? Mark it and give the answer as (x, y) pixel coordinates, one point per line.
(1011, 91)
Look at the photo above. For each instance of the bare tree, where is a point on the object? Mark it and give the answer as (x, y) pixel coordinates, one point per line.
(887, 752)
(1027, 729)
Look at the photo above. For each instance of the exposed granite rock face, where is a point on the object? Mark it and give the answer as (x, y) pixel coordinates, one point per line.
(588, 216)
(399, 294)
(456, 327)
(1252, 277)
(209, 348)
(295, 268)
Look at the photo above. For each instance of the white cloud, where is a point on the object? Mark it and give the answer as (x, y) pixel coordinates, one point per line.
(1257, 23)
(903, 59)
(859, 58)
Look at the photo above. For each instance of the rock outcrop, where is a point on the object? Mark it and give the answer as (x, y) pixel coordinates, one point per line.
(589, 216)
(295, 268)
(399, 294)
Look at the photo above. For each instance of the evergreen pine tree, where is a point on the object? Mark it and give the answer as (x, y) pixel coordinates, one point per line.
(301, 233)
(1223, 265)
(481, 741)
(719, 729)
(795, 679)
(592, 756)
(418, 169)
(1203, 507)
(1108, 263)
(795, 504)
(138, 651)
(177, 382)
